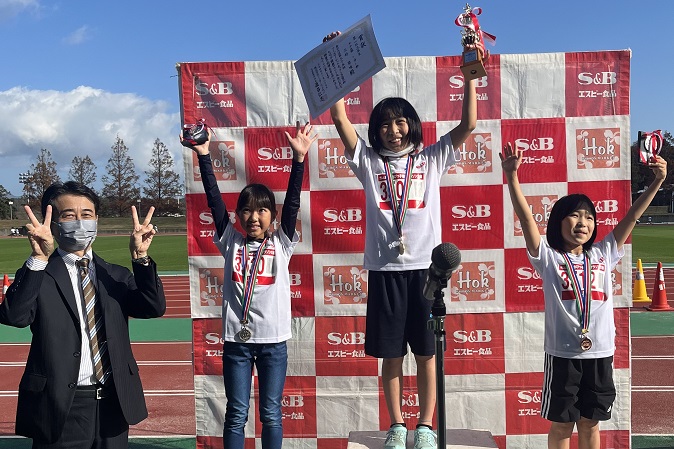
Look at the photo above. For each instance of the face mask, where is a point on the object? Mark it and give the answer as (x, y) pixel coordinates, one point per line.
(76, 235)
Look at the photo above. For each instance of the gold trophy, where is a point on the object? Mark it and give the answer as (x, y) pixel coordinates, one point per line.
(472, 39)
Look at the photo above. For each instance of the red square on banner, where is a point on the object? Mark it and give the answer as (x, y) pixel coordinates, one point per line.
(338, 221)
(269, 158)
(358, 104)
(340, 347)
(450, 84)
(211, 281)
(200, 224)
(474, 281)
(298, 407)
(475, 155)
(597, 83)
(410, 404)
(472, 216)
(344, 284)
(475, 344)
(215, 92)
(331, 160)
(207, 339)
(523, 404)
(598, 148)
(523, 285)
(543, 145)
(302, 285)
(223, 160)
(540, 206)
(611, 200)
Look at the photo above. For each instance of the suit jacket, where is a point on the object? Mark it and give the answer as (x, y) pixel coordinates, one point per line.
(45, 301)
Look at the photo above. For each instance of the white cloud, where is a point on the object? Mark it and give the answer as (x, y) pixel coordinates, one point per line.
(12, 8)
(78, 36)
(82, 122)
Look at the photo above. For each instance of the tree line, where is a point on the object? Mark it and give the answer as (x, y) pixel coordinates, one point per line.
(161, 188)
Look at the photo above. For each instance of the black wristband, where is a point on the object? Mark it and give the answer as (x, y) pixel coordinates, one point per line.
(145, 260)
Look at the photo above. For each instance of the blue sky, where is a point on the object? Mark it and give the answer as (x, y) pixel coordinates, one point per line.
(75, 73)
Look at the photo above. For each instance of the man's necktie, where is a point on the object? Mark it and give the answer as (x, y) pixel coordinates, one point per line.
(99, 348)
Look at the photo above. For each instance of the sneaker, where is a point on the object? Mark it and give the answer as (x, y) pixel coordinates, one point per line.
(424, 438)
(396, 437)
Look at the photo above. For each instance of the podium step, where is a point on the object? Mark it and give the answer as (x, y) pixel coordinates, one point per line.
(455, 439)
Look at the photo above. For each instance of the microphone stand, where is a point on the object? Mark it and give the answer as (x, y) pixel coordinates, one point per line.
(437, 324)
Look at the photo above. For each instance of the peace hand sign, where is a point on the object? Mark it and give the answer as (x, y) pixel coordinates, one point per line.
(141, 236)
(39, 234)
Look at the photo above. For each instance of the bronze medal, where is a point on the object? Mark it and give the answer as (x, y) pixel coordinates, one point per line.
(244, 334)
(585, 343)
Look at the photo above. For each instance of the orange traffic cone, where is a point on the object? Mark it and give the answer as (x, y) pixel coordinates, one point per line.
(5, 286)
(659, 294)
(639, 290)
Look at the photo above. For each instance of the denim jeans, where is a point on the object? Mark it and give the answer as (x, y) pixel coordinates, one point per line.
(271, 360)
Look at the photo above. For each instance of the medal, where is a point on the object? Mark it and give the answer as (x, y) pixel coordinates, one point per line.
(401, 246)
(399, 208)
(583, 296)
(249, 281)
(585, 343)
(244, 334)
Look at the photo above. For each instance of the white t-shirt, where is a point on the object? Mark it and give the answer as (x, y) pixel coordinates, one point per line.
(269, 318)
(422, 226)
(562, 321)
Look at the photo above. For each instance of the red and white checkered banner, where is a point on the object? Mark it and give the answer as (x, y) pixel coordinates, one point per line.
(569, 112)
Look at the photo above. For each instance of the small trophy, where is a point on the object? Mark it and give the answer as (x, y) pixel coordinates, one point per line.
(473, 38)
(650, 145)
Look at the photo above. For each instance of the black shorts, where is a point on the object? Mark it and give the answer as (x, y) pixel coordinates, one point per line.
(398, 314)
(577, 387)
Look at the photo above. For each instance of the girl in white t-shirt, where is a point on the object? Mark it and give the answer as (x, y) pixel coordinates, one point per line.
(578, 389)
(256, 311)
(401, 179)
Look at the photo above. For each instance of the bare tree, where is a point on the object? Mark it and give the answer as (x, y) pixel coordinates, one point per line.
(162, 184)
(119, 183)
(42, 174)
(83, 170)
(4, 203)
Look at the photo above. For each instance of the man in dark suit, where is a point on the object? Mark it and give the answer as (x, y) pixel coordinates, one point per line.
(81, 388)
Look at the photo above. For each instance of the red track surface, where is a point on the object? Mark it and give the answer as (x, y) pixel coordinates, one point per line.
(166, 369)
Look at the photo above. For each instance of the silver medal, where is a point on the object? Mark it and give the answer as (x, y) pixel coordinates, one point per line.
(244, 334)
(401, 246)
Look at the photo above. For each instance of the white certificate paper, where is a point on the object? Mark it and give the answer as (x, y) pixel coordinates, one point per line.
(336, 67)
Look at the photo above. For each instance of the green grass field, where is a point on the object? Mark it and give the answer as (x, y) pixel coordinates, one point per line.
(650, 243)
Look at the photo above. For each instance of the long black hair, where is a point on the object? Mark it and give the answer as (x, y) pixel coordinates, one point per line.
(562, 208)
(390, 108)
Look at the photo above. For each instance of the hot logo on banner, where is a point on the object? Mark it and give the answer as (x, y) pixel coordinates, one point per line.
(598, 148)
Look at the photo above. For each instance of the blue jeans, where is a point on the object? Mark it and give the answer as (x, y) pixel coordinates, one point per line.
(271, 360)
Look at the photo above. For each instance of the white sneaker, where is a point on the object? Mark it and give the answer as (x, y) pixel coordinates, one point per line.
(425, 438)
(396, 437)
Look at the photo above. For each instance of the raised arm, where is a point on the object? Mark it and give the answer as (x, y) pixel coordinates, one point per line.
(468, 115)
(213, 196)
(626, 225)
(291, 205)
(347, 133)
(510, 162)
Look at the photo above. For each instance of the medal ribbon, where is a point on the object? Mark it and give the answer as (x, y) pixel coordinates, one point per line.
(583, 298)
(250, 279)
(399, 209)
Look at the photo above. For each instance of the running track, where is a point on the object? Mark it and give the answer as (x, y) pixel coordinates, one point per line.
(166, 368)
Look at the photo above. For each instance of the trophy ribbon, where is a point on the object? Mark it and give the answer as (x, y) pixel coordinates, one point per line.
(583, 297)
(399, 208)
(468, 20)
(650, 145)
(249, 281)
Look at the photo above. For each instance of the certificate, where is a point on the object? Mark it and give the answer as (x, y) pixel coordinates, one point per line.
(336, 67)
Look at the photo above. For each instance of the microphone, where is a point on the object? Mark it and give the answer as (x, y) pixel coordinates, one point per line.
(445, 258)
